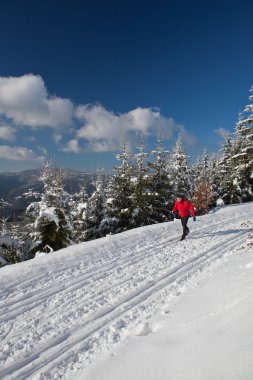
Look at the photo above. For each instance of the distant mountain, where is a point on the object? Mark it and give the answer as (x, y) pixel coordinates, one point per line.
(14, 185)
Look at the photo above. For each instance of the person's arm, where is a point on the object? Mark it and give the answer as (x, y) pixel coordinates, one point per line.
(175, 208)
(192, 209)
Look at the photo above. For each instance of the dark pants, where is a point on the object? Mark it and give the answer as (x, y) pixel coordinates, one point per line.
(185, 228)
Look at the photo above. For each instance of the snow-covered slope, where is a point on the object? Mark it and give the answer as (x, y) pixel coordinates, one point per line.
(206, 333)
(59, 314)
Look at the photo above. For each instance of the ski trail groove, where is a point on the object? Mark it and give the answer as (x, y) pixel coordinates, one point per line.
(113, 263)
(70, 264)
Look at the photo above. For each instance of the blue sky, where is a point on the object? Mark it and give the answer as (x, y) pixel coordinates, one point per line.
(78, 76)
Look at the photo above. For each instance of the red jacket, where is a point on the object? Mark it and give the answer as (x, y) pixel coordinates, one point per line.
(184, 208)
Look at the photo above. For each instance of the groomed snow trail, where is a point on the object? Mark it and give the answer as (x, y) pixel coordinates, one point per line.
(58, 312)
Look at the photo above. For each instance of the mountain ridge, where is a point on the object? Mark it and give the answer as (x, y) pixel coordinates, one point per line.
(14, 184)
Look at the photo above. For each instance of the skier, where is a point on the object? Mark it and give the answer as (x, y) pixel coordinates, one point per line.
(184, 207)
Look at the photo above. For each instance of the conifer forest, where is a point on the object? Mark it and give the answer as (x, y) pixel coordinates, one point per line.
(140, 191)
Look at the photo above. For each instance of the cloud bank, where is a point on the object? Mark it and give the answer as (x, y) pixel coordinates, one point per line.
(18, 153)
(103, 130)
(25, 104)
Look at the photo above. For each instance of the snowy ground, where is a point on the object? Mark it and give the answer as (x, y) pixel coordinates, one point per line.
(138, 305)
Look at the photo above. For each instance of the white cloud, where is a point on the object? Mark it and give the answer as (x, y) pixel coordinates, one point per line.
(25, 100)
(72, 146)
(187, 137)
(57, 138)
(7, 133)
(222, 132)
(18, 153)
(103, 130)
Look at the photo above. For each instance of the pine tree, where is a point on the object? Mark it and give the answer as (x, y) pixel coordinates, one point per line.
(10, 248)
(242, 159)
(213, 172)
(94, 213)
(142, 209)
(161, 197)
(227, 190)
(9, 252)
(179, 172)
(51, 226)
(78, 204)
(119, 204)
(203, 188)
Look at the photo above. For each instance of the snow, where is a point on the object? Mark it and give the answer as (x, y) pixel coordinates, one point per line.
(137, 305)
(204, 332)
(220, 203)
(49, 213)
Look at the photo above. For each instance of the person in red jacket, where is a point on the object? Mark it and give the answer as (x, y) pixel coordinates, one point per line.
(184, 207)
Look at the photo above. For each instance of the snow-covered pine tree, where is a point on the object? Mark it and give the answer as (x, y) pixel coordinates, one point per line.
(119, 204)
(213, 171)
(78, 205)
(10, 248)
(242, 159)
(52, 226)
(179, 172)
(203, 188)
(14, 239)
(142, 208)
(161, 192)
(94, 213)
(227, 190)
(197, 169)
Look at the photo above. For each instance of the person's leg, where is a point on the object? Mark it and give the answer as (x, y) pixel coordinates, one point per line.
(184, 225)
(187, 228)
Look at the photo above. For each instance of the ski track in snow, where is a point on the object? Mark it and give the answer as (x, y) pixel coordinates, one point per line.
(52, 325)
